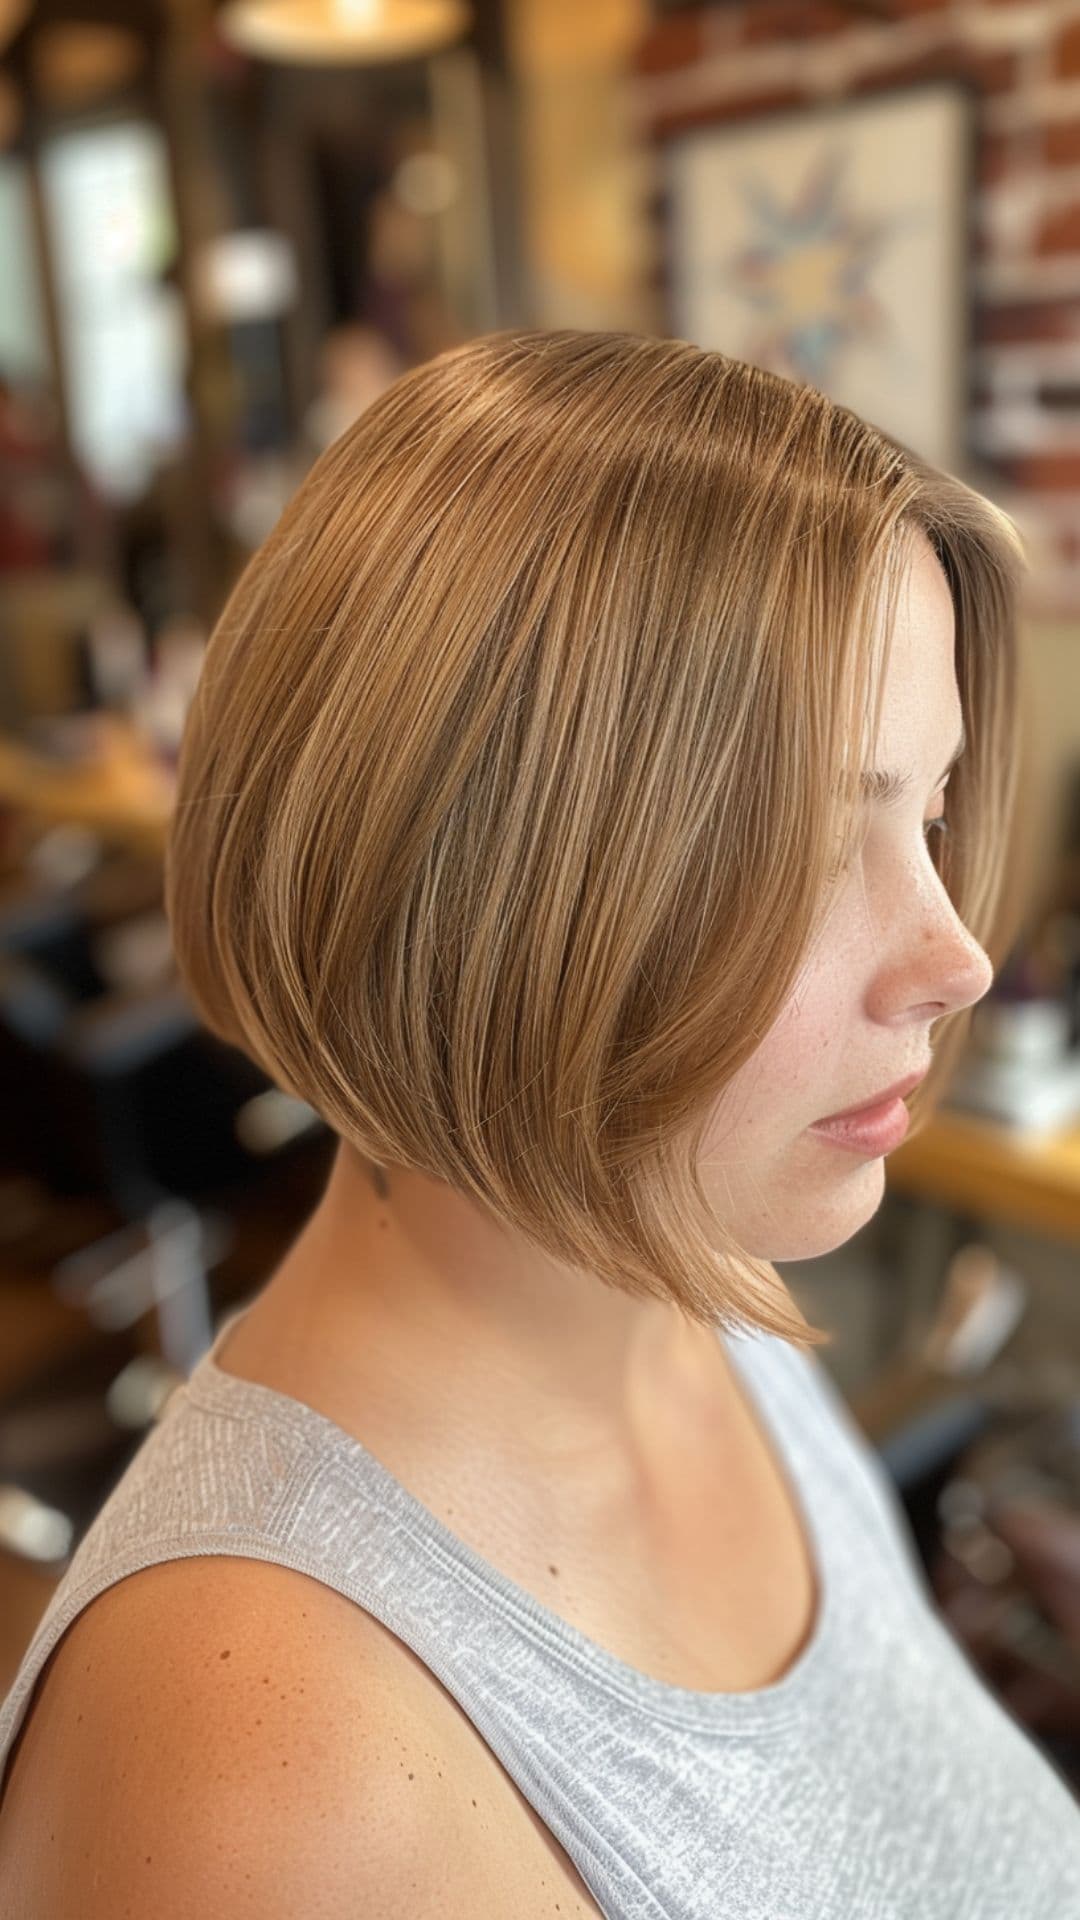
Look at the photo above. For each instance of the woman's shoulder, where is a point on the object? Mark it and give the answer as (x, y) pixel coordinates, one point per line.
(228, 1733)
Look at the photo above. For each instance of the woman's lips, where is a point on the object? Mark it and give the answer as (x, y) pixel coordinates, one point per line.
(896, 1092)
(873, 1130)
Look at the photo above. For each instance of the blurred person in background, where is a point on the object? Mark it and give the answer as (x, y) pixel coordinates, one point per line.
(356, 363)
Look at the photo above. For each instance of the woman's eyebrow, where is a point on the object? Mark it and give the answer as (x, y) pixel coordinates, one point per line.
(877, 784)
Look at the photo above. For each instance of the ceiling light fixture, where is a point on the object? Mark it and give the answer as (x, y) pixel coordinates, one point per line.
(347, 32)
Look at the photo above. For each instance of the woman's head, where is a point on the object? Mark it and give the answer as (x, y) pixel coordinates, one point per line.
(519, 826)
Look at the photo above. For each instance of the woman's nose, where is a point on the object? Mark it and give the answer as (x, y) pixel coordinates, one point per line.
(964, 973)
(940, 967)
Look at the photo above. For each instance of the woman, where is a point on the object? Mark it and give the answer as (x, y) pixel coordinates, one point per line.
(598, 780)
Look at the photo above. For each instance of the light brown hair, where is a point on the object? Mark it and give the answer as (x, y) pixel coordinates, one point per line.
(519, 758)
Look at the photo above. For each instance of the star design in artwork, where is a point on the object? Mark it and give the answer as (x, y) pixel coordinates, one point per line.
(804, 275)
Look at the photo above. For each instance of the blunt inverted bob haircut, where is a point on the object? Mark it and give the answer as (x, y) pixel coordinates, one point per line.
(521, 756)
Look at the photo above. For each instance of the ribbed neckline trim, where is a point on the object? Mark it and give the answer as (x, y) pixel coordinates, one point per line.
(214, 1389)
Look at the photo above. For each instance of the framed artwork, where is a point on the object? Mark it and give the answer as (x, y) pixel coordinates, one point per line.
(830, 244)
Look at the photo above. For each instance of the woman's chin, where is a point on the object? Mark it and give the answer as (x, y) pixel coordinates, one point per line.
(828, 1219)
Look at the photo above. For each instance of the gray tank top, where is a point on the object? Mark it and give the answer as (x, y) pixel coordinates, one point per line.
(878, 1779)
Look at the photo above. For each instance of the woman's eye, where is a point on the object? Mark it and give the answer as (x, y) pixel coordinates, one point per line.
(940, 823)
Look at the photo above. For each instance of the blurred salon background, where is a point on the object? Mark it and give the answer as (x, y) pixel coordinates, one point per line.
(224, 229)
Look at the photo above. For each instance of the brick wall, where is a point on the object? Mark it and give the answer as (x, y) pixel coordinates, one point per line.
(1022, 58)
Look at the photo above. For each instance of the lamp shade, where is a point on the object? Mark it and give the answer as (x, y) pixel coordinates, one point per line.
(352, 32)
